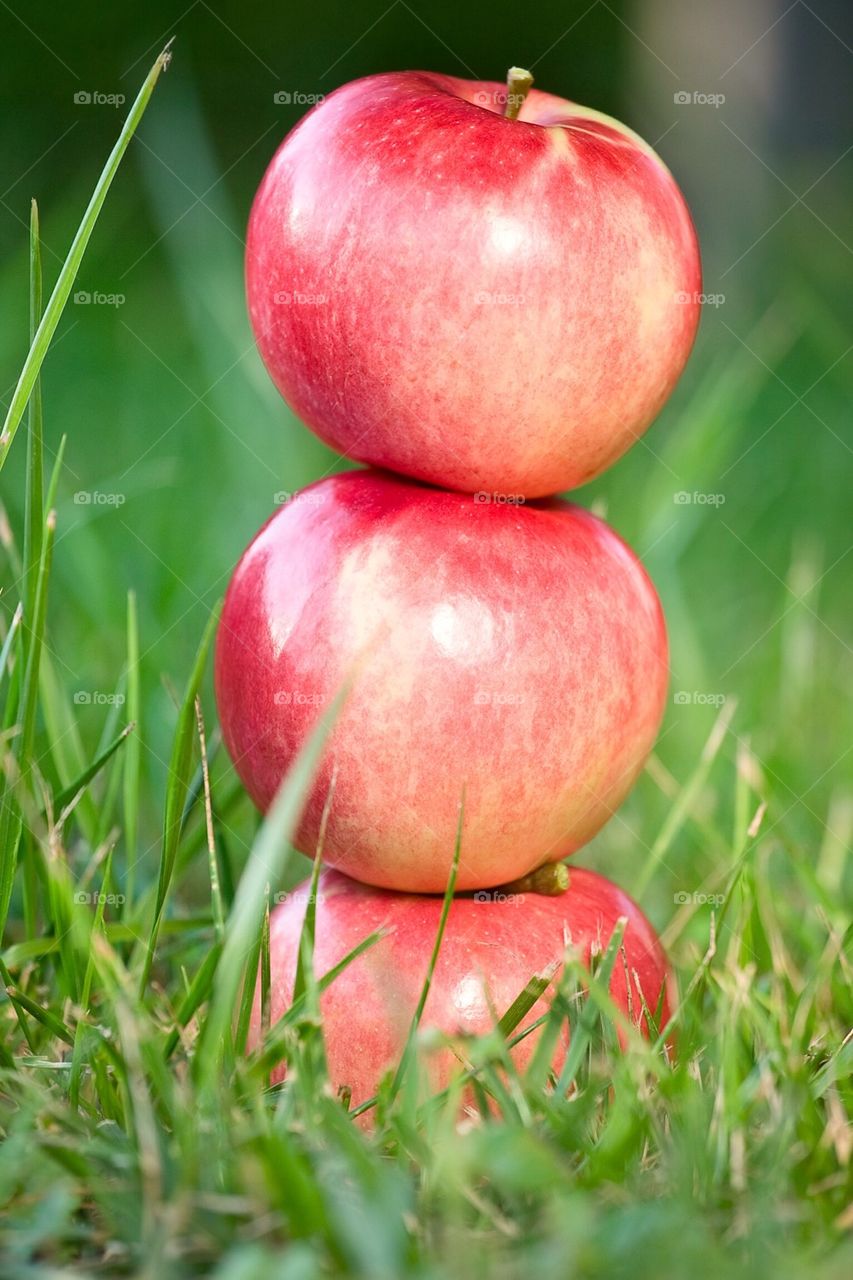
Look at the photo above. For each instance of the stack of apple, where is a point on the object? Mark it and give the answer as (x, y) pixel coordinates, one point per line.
(488, 292)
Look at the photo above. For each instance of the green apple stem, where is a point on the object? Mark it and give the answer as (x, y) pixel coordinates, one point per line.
(550, 880)
(518, 82)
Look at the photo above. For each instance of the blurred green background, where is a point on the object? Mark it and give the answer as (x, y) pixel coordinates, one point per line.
(166, 404)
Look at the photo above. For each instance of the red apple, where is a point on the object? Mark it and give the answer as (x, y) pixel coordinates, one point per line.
(519, 652)
(475, 301)
(492, 946)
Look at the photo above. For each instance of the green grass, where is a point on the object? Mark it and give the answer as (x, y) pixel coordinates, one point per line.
(138, 1138)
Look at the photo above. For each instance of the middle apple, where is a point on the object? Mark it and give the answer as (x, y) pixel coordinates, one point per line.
(517, 651)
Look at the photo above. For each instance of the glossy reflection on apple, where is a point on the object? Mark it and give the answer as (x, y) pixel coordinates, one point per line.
(517, 652)
(472, 300)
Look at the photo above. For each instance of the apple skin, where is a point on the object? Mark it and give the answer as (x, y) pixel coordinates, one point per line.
(519, 652)
(477, 302)
(492, 946)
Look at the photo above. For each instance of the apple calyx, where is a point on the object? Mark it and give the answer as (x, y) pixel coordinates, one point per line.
(550, 880)
(518, 83)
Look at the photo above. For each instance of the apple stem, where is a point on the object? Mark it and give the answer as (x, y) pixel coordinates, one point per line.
(518, 82)
(550, 880)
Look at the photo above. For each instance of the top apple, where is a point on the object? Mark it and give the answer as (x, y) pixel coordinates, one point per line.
(479, 301)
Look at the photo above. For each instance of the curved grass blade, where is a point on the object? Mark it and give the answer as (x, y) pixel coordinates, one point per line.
(67, 794)
(68, 274)
(10, 639)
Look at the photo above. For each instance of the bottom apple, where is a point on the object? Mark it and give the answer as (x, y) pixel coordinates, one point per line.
(493, 944)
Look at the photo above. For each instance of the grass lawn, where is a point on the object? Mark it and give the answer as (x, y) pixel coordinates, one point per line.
(137, 1136)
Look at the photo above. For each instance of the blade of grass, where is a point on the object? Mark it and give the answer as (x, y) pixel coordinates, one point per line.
(267, 860)
(677, 815)
(86, 993)
(67, 794)
(525, 1000)
(197, 993)
(405, 1059)
(63, 733)
(29, 692)
(213, 866)
(247, 996)
(46, 1017)
(266, 970)
(10, 639)
(269, 1055)
(6, 979)
(532, 991)
(132, 753)
(180, 766)
(33, 510)
(582, 1033)
(11, 824)
(305, 960)
(68, 274)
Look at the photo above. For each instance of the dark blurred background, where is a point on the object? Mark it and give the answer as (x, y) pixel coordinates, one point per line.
(175, 429)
